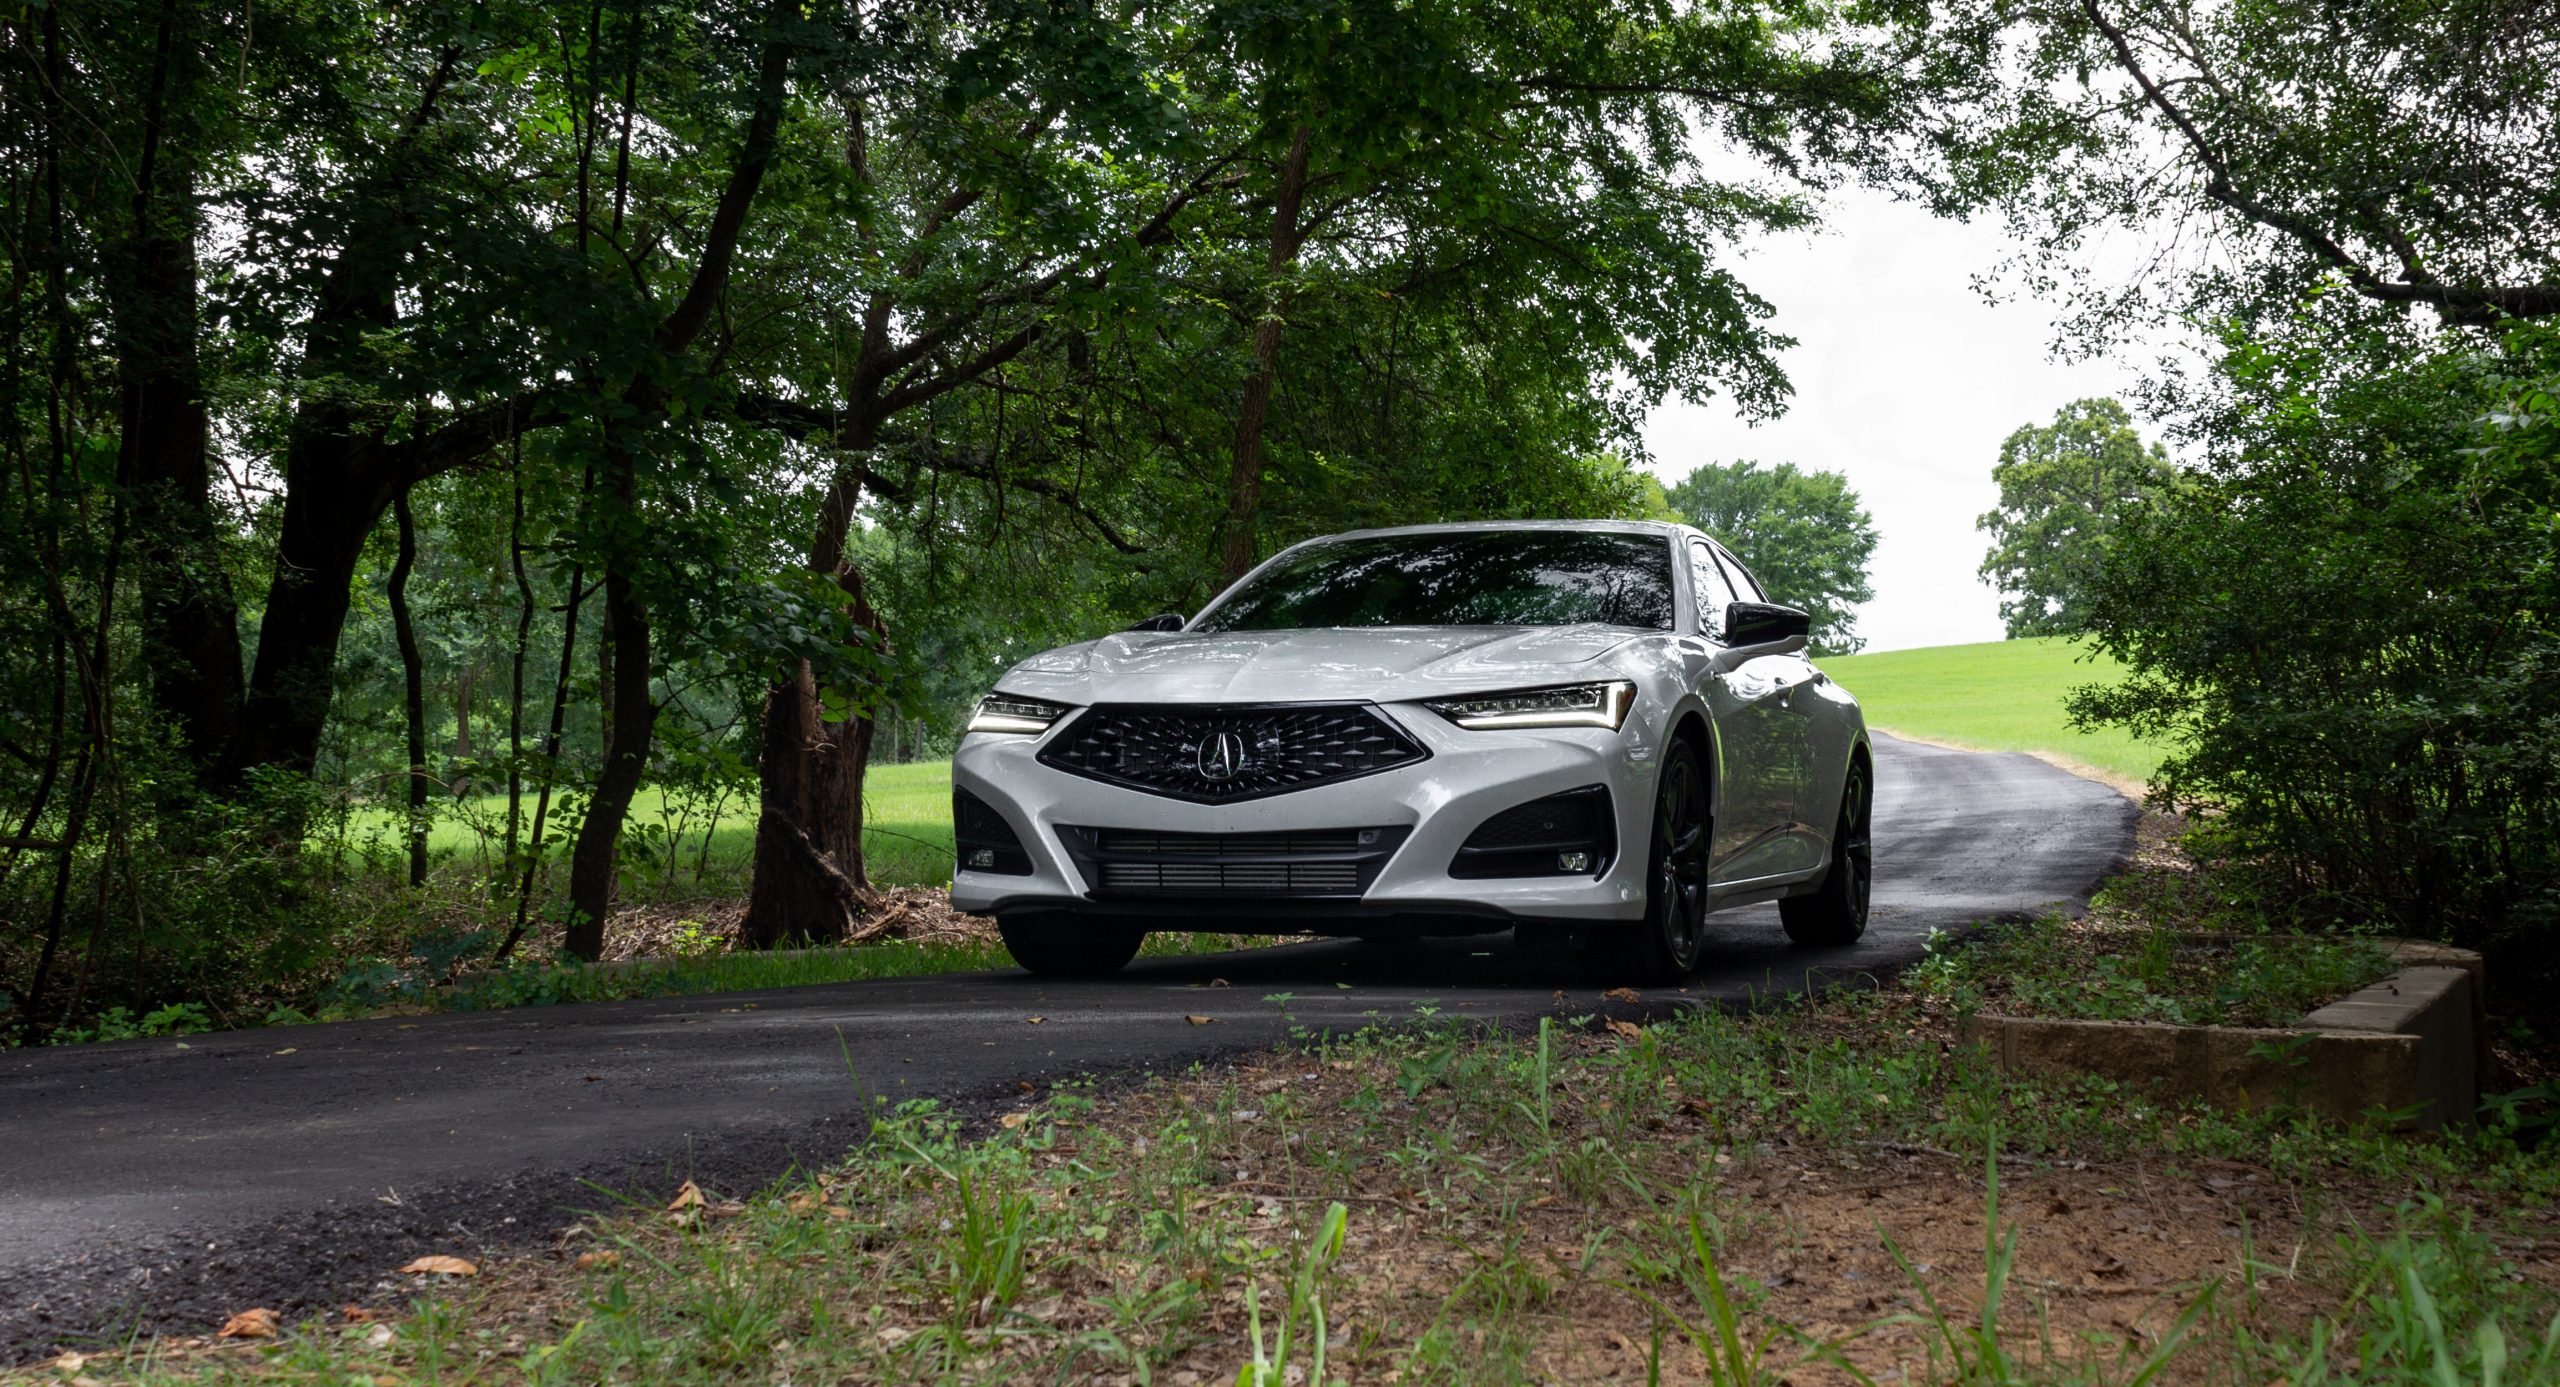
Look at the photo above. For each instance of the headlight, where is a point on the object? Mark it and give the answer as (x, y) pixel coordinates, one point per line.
(1575, 705)
(1004, 712)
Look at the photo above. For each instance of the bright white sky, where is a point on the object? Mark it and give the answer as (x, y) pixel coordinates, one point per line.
(1906, 380)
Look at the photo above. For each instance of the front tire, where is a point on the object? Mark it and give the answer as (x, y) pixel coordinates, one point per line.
(1836, 912)
(1664, 947)
(1067, 946)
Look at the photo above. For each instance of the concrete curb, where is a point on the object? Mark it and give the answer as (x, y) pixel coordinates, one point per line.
(2408, 1045)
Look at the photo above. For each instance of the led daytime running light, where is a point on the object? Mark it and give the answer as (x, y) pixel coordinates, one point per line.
(1000, 712)
(1578, 705)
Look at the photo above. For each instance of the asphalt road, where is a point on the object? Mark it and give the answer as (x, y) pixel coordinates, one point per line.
(158, 1186)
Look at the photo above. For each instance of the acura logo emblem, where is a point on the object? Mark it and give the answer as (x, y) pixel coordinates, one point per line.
(1221, 756)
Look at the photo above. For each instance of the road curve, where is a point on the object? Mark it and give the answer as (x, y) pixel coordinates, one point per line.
(149, 1185)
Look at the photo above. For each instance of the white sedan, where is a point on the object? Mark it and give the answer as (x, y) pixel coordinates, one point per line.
(1596, 726)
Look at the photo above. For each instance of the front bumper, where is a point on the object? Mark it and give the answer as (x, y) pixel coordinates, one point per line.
(1435, 803)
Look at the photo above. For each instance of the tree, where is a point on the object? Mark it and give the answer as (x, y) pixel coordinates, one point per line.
(2409, 153)
(2343, 627)
(1802, 534)
(2065, 488)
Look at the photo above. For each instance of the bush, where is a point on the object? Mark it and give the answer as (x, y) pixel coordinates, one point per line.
(2345, 627)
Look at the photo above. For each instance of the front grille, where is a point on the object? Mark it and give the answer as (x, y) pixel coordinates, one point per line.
(1331, 862)
(1220, 754)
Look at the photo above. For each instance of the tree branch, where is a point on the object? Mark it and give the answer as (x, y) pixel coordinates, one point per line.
(711, 273)
(803, 422)
(2459, 304)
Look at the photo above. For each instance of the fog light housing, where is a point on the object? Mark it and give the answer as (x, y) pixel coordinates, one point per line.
(985, 841)
(1569, 834)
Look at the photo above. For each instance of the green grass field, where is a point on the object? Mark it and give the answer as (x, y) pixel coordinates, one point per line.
(1997, 696)
(906, 835)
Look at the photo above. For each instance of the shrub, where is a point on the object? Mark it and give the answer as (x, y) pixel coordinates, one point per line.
(2345, 627)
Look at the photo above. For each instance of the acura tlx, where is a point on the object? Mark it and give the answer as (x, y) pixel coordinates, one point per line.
(1592, 729)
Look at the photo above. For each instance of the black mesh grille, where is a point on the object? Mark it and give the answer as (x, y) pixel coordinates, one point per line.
(1221, 754)
(1340, 840)
(1327, 862)
(1528, 839)
(1254, 878)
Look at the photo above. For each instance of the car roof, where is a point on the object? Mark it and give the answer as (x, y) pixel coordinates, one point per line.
(1622, 527)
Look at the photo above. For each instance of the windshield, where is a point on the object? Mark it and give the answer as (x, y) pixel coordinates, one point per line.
(1459, 578)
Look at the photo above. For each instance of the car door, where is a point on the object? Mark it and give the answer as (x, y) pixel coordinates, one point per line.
(1745, 811)
(1781, 709)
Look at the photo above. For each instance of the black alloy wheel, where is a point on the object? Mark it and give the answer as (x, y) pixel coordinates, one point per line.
(1836, 912)
(1664, 946)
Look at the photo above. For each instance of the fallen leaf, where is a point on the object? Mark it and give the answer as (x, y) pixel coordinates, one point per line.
(1624, 1030)
(286, 1050)
(1036, 1020)
(838, 1211)
(249, 1324)
(70, 1363)
(589, 1261)
(1024, 1086)
(1199, 1020)
(1220, 982)
(440, 1265)
(379, 1336)
(688, 1196)
(1623, 994)
(1013, 1119)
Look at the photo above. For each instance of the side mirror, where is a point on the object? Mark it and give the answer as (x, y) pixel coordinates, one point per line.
(1162, 621)
(1764, 623)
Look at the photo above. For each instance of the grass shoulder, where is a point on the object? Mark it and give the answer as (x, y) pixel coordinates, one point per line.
(1836, 1190)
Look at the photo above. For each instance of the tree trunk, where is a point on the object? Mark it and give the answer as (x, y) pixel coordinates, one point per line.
(190, 624)
(1244, 471)
(413, 688)
(331, 504)
(809, 881)
(631, 716)
(466, 684)
(635, 716)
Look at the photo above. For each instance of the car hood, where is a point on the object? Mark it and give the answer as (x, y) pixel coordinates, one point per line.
(1385, 664)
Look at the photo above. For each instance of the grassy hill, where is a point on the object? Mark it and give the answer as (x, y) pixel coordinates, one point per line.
(1997, 696)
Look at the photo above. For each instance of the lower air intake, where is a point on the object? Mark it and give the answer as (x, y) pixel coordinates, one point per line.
(1330, 862)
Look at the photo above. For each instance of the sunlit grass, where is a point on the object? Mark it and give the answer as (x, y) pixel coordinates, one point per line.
(1996, 696)
(906, 828)
(749, 970)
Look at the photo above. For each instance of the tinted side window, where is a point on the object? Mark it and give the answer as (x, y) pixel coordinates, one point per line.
(1743, 582)
(1714, 592)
